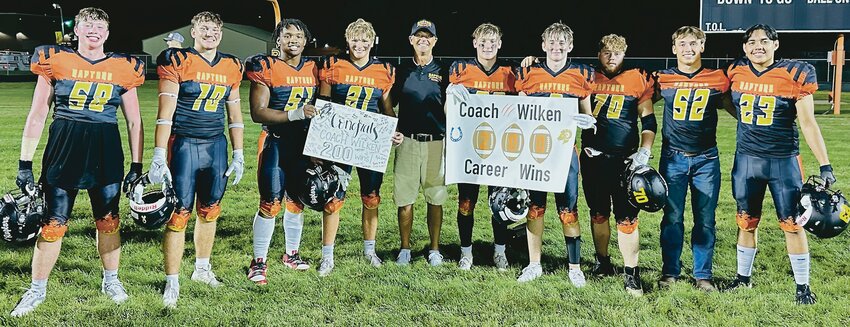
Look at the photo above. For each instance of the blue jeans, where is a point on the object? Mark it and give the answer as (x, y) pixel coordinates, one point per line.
(700, 172)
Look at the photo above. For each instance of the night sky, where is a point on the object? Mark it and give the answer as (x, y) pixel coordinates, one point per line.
(647, 25)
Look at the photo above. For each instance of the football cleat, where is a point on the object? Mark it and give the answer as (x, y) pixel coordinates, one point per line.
(205, 276)
(805, 295)
(577, 278)
(529, 273)
(632, 285)
(603, 267)
(257, 271)
(740, 282)
(294, 261)
(170, 295)
(373, 259)
(435, 258)
(325, 267)
(115, 291)
(465, 262)
(403, 258)
(28, 303)
(501, 261)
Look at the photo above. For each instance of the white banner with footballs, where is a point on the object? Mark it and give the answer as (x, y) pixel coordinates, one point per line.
(511, 141)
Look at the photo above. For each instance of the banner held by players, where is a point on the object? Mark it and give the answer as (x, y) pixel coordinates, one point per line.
(350, 136)
(512, 141)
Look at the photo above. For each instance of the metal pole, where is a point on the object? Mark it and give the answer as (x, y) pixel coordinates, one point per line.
(839, 68)
(62, 22)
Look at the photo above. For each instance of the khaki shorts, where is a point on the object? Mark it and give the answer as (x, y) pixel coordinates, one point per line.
(419, 164)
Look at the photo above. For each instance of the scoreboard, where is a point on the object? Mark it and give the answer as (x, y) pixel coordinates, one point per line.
(802, 16)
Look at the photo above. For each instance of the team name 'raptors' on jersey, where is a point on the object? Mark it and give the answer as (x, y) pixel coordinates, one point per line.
(290, 87)
(573, 81)
(615, 102)
(691, 101)
(766, 104)
(87, 90)
(499, 79)
(357, 87)
(204, 89)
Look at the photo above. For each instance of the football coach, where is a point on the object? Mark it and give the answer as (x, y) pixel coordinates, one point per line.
(420, 161)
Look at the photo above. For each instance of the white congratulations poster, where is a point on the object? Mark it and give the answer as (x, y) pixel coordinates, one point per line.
(512, 141)
(350, 136)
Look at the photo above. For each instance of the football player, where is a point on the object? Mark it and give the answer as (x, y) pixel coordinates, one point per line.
(362, 82)
(484, 74)
(198, 87)
(769, 96)
(282, 90)
(621, 97)
(83, 150)
(689, 158)
(556, 77)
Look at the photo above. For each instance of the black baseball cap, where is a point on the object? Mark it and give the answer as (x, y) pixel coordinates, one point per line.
(424, 24)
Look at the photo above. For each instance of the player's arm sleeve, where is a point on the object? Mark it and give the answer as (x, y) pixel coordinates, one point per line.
(40, 63)
(138, 77)
(806, 80)
(168, 65)
(454, 73)
(649, 88)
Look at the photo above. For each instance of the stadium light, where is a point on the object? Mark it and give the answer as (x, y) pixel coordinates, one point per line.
(61, 18)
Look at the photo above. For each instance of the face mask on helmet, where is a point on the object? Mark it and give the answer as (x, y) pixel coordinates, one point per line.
(823, 212)
(151, 205)
(509, 204)
(320, 187)
(645, 188)
(21, 215)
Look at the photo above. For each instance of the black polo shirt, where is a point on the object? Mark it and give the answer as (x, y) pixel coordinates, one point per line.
(420, 92)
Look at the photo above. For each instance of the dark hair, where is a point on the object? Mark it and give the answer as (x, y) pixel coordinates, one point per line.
(768, 30)
(291, 22)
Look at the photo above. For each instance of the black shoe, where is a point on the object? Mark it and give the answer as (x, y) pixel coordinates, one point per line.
(603, 267)
(631, 281)
(805, 295)
(667, 281)
(740, 282)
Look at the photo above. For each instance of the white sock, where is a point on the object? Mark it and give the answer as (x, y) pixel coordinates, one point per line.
(172, 279)
(800, 264)
(39, 285)
(328, 251)
(466, 251)
(263, 231)
(369, 246)
(110, 275)
(499, 248)
(202, 263)
(746, 256)
(404, 251)
(533, 263)
(292, 226)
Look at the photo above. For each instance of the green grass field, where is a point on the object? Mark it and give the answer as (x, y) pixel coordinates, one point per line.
(357, 294)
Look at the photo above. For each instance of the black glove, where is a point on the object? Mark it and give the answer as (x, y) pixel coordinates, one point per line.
(827, 175)
(25, 179)
(134, 174)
